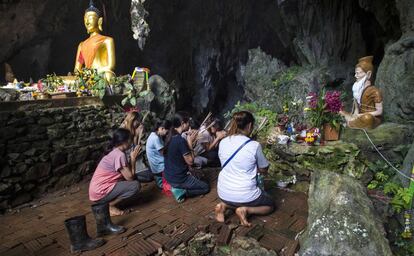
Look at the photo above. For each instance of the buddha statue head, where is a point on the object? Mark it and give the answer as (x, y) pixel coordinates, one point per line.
(364, 68)
(93, 19)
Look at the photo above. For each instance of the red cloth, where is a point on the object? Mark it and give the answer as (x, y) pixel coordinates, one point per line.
(166, 187)
(81, 60)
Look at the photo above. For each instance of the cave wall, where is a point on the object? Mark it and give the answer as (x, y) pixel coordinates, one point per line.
(202, 46)
(41, 37)
(396, 72)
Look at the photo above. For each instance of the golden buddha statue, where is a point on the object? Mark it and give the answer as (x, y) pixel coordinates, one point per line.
(368, 103)
(98, 51)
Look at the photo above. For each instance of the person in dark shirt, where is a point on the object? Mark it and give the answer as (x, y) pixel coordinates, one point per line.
(180, 155)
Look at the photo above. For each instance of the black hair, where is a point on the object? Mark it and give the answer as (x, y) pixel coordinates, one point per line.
(119, 137)
(179, 118)
(194, 124)
(218, 124)
(162, 123)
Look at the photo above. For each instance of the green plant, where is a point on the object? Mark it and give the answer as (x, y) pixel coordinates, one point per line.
(373, 184)
(382, 173)
(131, 95)
(324, 107)
(258, 112)
(286, 75)
(401, 197)
(90, 81)
(381, 176)
(100, 85)
(404, 247)
(293, 108)
(51, 83)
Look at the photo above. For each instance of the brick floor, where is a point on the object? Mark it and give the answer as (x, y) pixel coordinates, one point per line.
(155, 223)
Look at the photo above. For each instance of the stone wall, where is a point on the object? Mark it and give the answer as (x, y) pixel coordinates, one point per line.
(47, 149)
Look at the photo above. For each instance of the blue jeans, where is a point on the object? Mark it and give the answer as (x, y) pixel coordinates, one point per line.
(193, 186)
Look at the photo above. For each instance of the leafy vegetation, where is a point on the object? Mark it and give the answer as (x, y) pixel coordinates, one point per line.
(286, 75)
(400, 196)
(324, 107)
(90, 81)
(258, 112)
(293, 109)
(404, 247)
(51, 83)
(131, 95)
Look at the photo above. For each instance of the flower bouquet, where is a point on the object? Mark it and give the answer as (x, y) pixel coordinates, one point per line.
(323, 112)
(91, 82)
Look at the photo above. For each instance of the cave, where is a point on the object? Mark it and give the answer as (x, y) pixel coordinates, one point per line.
(201, 45)
(346, 195)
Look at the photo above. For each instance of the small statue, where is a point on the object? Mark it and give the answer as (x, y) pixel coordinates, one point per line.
(9, 75)
(98, 51)
(368, 103)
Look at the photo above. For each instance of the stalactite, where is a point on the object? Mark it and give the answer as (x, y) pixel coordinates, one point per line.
(139, 26)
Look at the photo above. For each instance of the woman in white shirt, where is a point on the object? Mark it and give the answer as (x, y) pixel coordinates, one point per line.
(242, 160)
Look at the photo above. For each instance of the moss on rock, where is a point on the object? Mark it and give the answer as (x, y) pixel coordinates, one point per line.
(339, 157)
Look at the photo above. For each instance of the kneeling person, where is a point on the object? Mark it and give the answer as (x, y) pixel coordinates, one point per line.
(180, 156)
(155, 150)
(113, 179)
(242, 159)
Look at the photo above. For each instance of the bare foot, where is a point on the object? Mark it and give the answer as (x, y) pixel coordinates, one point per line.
(113, 211)
(242, 214)
(219, 210)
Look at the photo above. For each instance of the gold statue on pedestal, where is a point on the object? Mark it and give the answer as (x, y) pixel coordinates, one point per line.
(368, 103)
(98, 51)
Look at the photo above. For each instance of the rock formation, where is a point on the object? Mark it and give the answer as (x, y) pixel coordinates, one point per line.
(396, 72)
(341, 219)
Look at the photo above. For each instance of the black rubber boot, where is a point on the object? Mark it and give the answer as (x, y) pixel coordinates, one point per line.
(104, 225)
(78, 235)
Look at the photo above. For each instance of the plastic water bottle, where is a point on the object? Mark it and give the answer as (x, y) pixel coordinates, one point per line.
(260, 181)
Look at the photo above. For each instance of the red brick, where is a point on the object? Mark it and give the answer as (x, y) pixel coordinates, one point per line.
(119, 252)
(52, 250)
(141, 247)
(298, 225)
(224, 236)
(164, 219)
(291, 247)
(274, 241)
(17, 251)
(282, 220)
(151, 230)
(256, 232)
(243, 230)
(215, 227)
(111, 246)
(159, 238)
